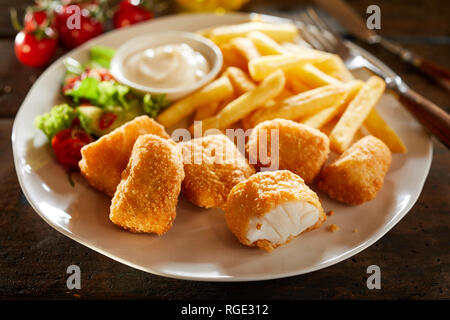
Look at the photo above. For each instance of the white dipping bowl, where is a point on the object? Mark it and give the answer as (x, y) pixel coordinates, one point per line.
(206, 47)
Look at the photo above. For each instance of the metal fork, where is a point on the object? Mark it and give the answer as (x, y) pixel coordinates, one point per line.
(321, 36)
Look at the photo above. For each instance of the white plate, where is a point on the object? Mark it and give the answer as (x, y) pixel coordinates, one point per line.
(199, 246)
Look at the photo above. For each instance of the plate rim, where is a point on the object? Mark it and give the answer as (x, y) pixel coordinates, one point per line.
(375, 237)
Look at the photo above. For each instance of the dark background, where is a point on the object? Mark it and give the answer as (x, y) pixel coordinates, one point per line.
(414, 256)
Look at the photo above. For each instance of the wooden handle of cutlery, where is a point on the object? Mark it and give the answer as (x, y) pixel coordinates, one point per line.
(439, 73)
(435, 119)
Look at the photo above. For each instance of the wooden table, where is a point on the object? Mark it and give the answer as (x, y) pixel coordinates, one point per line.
(414, 256)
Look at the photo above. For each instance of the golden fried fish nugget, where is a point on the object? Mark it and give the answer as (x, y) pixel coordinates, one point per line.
(104, 160)
(301, 149)
(147, 196)
(213, 165)
(271, 208)
(358, 174)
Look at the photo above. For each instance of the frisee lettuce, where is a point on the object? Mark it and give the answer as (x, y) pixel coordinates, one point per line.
(153, 104)
(60, 117)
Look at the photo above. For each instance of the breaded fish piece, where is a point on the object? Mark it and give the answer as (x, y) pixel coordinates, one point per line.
(147, 196)
(104, 160)
(213, 165)
(358, 174)
(301, 149)
(271, 208)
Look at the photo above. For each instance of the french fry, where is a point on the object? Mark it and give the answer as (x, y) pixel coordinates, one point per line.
(284, 32)
(246, 103)
(328, 127)
(377, 127)
(265, 44)
(331, 64)
(319, 119)
(284, 94)
(246, 121)
(206, 111)
(313, 77)
(246, 48)
(239, 79)
(242, 84)
(262, 67)
(356, 113)
(294, 84)
(301, 105)
(334, 66)
(324, 72)
(296, 49)
(215, 91)
(232, 57)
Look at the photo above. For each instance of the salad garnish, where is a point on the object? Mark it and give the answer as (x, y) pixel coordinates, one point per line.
(96, 105)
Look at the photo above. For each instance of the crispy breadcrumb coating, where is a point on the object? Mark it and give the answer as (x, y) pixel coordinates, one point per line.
(358, 174)
(104, 160)
(301, 149)
(213, 165)
(262, 193)
(334, 228)
(147, 196)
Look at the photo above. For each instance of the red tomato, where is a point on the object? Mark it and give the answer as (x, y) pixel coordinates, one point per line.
(70, 82)
(34, 20)
(130, 12)
(67, 145)
(70, 35)
(99, 74)
(106, 120)
(32, 51)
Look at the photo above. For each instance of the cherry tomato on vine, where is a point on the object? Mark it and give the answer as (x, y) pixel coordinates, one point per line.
(35, 19)
(89, 26)
(36, 42)
(131, 12)
(32, 51)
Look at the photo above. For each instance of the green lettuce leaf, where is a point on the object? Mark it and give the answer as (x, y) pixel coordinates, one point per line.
(101, 56)
(87, 89)
(152, 105)
(58, 118)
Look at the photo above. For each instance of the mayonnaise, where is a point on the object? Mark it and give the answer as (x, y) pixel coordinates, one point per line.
(168, 66)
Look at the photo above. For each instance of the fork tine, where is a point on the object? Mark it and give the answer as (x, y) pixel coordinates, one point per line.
(308, 36)
(318, 32)
(339, 46)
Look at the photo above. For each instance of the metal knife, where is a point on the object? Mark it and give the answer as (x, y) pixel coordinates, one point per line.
(342, 12)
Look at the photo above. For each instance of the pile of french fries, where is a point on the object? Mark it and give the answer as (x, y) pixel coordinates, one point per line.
(268, 73)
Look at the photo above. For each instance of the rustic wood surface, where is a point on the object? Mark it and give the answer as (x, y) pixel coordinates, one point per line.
(414, 256)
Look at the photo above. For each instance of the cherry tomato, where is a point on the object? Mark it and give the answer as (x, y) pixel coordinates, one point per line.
(106, 120)
(67, 145)
(70, 82)
(98, 73)
(36, 18)
(70, 35)
(130, 12)
(32, 51)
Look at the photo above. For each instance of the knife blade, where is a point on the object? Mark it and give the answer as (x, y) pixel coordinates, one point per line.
(356, 25)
